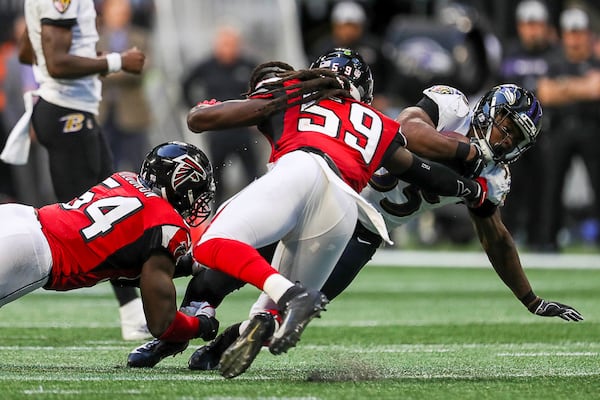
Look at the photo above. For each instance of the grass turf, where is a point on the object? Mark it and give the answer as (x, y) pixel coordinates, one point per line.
(397, 333)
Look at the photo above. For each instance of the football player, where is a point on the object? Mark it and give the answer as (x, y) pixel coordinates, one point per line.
(129, 227)
(505, 122)
(326, 143)
(60, 43)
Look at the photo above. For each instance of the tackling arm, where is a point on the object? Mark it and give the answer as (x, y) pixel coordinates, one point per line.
(435, 178)
(158, 293)
(159, 298)
(209, 116)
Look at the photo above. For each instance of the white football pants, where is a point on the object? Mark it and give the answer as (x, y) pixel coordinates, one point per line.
(299, 204)
(25, 257)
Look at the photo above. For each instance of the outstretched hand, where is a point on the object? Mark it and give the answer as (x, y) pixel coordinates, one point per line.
(554, 309)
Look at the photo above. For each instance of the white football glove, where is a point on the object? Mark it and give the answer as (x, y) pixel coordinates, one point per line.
(486, 151)
(198, 308)
(498, 182)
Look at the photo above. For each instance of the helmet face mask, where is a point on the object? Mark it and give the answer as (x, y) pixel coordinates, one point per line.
(350, 64)
(181, 174)
(524, 114)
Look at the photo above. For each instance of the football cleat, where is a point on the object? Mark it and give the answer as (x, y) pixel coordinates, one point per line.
(240, 355)
(151, 353)
(299, 311)
(207, 357)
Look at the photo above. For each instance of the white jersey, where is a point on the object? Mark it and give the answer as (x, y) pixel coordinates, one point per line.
(404, 201)
(80, 93)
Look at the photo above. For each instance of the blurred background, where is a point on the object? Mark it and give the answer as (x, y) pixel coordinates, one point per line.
(203, 49)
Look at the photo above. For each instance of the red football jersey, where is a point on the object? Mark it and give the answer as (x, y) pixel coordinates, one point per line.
(109, 232)
(353, 134)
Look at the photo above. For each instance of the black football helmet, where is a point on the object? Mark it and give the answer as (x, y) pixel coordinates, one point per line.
(182, 174)
(349, 63)
(508, 101)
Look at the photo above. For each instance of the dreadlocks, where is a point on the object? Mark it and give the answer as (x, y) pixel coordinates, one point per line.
(314, 85)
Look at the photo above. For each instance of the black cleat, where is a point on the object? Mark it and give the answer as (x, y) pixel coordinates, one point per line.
(207, 357)
(151, 353)
(239, 356)
(299, 311)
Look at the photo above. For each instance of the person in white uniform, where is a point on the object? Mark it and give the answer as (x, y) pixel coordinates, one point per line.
(60, 43)
(506, 113)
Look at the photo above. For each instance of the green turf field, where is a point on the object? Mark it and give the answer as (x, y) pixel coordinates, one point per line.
(397, 333)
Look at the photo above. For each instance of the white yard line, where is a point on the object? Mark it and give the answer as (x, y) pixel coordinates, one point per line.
(260, 378)
(408, 258)
(520, 349)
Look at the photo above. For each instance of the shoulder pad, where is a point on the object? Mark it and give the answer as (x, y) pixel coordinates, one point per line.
(453, 106)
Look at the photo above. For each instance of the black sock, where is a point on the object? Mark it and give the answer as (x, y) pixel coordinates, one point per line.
(124, 294)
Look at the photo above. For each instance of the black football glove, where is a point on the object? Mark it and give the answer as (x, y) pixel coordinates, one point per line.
(554, 309)
(186, 266)
(208, 327)
(474, 166)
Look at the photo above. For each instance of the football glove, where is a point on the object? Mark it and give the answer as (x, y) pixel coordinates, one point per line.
(197, 308)
(209, 326)
(486, 151)
(474, 166)
(186, 266)
(498, 183)
(554, 309)
(481, 194)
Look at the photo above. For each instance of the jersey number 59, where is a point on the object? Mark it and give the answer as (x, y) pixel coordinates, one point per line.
(363, 133)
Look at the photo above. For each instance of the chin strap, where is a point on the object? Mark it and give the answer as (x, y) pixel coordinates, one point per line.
(163, 193)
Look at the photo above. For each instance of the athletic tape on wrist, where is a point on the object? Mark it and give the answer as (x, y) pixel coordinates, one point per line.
(114, 62)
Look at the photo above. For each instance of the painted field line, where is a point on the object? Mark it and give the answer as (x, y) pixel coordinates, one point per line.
(328, 323)
(502, 349)
(551, 354)
(408, 258)
(124, 378)
(69, 348)
(41, 390)
(383, 376)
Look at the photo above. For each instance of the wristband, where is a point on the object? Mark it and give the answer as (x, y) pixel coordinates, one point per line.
(529, 298)
(462, 151)
(114, 62)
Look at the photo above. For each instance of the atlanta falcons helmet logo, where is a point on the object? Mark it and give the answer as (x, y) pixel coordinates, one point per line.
(187, 170)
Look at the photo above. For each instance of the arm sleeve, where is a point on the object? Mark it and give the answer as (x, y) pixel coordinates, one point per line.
(431, 108)
(438, 179)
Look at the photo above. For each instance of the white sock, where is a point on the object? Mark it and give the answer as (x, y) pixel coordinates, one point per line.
(276, 285)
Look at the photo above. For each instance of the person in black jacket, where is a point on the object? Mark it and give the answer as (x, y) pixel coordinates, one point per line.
(224, 75)
(526, 59)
